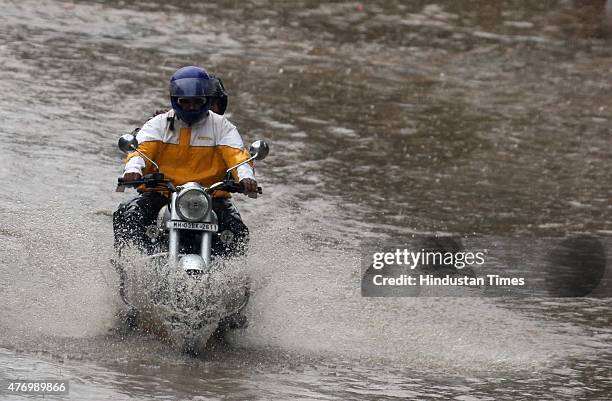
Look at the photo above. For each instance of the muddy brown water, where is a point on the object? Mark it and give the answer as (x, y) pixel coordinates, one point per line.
(385, 119)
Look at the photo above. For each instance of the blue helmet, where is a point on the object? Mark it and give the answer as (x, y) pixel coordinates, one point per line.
(195, 83)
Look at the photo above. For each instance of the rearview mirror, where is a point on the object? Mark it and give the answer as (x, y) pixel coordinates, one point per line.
(127, 143)
(259, 150)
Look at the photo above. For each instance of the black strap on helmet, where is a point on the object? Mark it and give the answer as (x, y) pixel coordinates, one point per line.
(170, 119)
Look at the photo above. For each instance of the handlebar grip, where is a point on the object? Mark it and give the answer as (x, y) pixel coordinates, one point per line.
(234, 187)
(237, 188)
(122, 182)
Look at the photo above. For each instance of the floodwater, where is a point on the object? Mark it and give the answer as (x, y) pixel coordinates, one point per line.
(385, 119)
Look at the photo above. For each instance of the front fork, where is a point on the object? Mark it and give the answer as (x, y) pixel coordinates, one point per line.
(207, 236)
(206, 249)
(173, 246)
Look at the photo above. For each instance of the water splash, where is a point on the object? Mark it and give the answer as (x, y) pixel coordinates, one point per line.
(306, 299)
(184, 310)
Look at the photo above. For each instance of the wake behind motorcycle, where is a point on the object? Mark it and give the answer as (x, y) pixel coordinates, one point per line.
(180, 290)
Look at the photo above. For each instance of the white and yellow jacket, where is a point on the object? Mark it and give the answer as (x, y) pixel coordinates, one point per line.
(200, 153)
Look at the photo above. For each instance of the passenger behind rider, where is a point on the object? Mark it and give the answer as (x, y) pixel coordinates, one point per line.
(189, 143)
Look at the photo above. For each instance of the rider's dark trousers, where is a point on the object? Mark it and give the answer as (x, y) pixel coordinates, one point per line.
(131, 220)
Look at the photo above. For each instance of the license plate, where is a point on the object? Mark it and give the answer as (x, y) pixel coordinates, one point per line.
(185, 225)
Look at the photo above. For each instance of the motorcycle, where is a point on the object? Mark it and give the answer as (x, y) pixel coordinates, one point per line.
(181, 291)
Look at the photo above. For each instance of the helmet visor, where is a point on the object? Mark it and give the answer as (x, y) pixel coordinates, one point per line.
(191, 102)
(191, 87)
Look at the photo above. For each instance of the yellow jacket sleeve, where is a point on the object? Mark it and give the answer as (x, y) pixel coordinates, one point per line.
(136, 163)
(233, 156)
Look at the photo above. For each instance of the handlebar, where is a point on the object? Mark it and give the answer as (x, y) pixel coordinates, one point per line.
(150, 181)
(234, 187)
(157, 179)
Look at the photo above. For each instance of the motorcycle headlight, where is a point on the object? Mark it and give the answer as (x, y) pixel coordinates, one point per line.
(192, 205)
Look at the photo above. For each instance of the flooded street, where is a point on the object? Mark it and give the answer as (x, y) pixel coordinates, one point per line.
(386, 119)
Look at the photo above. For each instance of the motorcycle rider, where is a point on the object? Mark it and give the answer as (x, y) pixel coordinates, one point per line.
(189, 143)
(217, 102)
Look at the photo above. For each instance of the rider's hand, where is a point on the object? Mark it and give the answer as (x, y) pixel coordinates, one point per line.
(131, 177)
(250, 187)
